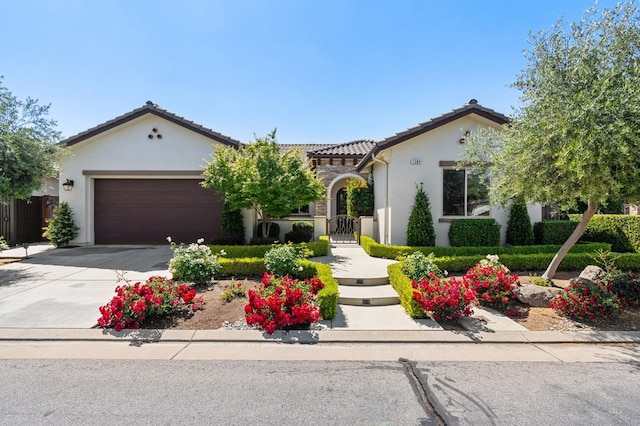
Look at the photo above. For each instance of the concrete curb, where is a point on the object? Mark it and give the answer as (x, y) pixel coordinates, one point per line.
(318, 337)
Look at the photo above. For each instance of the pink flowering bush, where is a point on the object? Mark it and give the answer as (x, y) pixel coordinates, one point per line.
(156, 297)
(445, 299)
(492, 281)
(283, 302)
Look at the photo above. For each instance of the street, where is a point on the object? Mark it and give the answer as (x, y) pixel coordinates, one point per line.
(317, 392)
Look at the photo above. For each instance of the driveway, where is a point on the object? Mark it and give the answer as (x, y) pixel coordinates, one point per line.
(63, 288)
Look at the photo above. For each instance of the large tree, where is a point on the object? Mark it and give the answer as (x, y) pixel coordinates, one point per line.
(27, 152)
(576, 135)
(259, 176)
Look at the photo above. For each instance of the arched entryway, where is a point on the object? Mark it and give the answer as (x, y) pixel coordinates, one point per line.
(340, 226)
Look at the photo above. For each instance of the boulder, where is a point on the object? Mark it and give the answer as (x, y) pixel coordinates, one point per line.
(535, 295)
(588, 275)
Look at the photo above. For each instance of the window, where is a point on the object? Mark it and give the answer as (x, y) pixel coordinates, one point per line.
(464, 193)
(302, 210)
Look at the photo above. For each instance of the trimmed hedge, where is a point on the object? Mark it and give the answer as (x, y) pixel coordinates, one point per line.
(319, 248)
(621, 231)
(553, 231)
(242, 267)
(402, 285)
(375, 249)
(474, 232)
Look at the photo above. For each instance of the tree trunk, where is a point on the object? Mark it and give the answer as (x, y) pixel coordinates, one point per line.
(573, 238)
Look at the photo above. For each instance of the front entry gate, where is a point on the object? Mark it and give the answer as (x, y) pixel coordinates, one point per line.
(342, 228)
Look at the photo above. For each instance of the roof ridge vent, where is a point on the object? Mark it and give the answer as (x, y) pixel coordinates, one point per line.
(472, 102)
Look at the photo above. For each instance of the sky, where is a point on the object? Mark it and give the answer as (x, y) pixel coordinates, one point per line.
(328, 71)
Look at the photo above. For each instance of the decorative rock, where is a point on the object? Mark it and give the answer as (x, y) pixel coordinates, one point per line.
(588, 275)
(535, 295)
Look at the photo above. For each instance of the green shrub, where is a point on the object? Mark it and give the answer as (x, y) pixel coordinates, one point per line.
(402, 285)
(474, 232)
(232, 227)
(625, 285)
(420, 230)
(242, 267)
(519, 231)
(417, 266)
(621, 231)
(61, 229)
(359, 198)
(285, 259)
(3, 243)
(194, 263)
(318, 248)
(273, 227)
(586, 301)
(328, 296)
(302, 232)
(553, 231)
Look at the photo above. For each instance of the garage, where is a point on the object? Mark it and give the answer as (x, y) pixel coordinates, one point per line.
(132, 211)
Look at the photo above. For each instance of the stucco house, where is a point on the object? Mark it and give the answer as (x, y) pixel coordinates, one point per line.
(135, 179)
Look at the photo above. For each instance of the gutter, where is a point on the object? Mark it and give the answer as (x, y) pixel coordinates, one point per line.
(386, 197)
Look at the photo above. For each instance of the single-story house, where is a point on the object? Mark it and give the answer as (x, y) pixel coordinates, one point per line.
(135, 179)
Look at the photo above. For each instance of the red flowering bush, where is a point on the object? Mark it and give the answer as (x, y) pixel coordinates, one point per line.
(586, 301)
(283, 302)
(155, 297)
(446, 300)
(492, 281)
(625, 285)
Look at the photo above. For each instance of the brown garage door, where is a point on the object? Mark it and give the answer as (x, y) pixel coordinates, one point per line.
(149, 210)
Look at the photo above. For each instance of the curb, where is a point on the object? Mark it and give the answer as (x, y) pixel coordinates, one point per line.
(319, 337)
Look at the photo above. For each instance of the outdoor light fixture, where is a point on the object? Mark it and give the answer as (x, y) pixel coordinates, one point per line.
(68, 185)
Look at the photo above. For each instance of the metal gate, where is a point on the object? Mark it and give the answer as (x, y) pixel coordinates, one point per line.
(342, 228)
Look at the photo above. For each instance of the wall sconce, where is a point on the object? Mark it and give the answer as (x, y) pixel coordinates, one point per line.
(68, 185)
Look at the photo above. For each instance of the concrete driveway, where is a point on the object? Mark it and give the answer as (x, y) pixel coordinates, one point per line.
(63, 288)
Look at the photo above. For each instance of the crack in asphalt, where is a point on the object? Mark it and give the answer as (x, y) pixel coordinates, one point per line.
(420, 387)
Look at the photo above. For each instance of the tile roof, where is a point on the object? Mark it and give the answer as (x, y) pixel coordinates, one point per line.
(304, 147)
(358, 148)
(471, 107)
(150, 108)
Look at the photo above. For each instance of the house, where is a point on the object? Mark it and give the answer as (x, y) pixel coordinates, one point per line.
(136, 178)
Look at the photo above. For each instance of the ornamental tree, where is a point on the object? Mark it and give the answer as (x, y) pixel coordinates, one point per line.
(258, 176)
(27, 152)
(576, 135)
(420, 231)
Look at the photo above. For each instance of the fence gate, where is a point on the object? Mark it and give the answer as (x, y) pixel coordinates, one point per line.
(342, 228)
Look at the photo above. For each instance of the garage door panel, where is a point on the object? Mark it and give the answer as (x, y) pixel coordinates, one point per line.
(149, 210)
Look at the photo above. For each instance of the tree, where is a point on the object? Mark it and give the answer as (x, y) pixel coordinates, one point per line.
(577, 132)
(27, 154)
(259, 176)
(359, 198)
(62, 229)
(420, 230)
(519, 231)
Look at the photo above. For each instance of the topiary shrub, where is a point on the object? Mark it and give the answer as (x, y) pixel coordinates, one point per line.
(232, 227)
(302, 232)
(519, 231)
(553, 231)
(474, 232)
(61, 229)
(420, 230)
(621, 231)
(359, 198)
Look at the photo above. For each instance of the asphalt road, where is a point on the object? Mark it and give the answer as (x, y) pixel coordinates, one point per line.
(321, 393)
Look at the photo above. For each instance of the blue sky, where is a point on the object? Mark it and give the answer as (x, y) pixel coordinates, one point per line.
(326, 71)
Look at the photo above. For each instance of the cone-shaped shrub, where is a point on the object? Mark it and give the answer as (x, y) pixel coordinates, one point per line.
(420, 230)
(61, 229)
(519, 231)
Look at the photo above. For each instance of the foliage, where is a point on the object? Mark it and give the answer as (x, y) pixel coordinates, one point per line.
(259, 176)
(445, 299)
(586, 301)
(193, 263)
(474, 232)
(283, 302)
(420, 231)
(519, 231)
(318, 248)
(285, 259)
(417, 266)
(233, 291)
(3, 243)
(232, 226)
(242, 267)
(61, 229)
(269, 230)
(576, 134)
(156, 297)
(328, 296)
(302, 232)
(359, 198)
(621, 231)
(402, 285)
(553, 231)
(541, 282)
(625, 285)
(27, 152)
(492, 281)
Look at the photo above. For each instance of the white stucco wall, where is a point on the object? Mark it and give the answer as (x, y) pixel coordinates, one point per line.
(124, 151)
(440, 144)
(49, 187)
